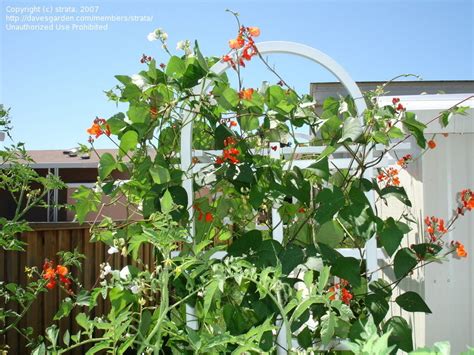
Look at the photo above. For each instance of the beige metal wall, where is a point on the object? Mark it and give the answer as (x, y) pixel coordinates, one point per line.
(449, 287)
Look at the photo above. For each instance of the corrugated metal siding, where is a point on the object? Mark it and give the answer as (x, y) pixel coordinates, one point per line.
(448, 287)
(411, 180)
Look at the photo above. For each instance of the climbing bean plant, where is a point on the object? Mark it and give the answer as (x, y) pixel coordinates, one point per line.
(302, 286)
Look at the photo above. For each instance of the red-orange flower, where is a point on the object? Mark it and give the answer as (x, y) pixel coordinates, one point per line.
(404, 160)
(209, 217)
(389, 176)
(346, 296)
(99, 127)
(435, 227)
(431, 144)
(253, 31)
(236, 43)
(467, 199)
(61, 270)
(460, 251)
(246, 94)
(50, 273)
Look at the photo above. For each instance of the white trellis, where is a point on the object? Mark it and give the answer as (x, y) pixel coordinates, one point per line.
(370, 251)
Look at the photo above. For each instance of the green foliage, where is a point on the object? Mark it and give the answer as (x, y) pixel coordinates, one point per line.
(242, 299)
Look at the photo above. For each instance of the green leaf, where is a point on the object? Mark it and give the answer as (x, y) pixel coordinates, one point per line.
(39, 350)
(138, 113)
(390, 236)
(404, 262)
(401, 335)
(291, 257)
(86, 200)
(348, 268)
(160, 175)
(320, 168)
(328, 324)
(175, 67)
(116, 123)
(330, 233)
(249, 122)
(415, 127)
(128, 142)
(378, 306)
(64, 309)
(166, 202)
(323, 278)
(52, 335)
(412, 302)
(351, 129)
(250, 241)
(83, 321)
(230, 98)
(210, 291)
(330, 202)
(107, 164)
(67, 337)
(398, 192)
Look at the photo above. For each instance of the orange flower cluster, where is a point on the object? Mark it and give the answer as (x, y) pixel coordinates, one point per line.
(460, 250)
(435, 227)
(403, 162)
(230, 153)
(51, 274)
(344, 293)
(208, 217)
(466, 201)
(246, 94)
(389, 176)
(99, 127)
(243, 40)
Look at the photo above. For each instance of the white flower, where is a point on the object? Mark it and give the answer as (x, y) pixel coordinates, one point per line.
(152, 36)
(107, 269)
(226, 221)
(125, 273)
(163, 36)
(343, 108)
(135, 289)
(112, 250)
(184, 46)
(157, 34)
(315, 264)
(138, 80)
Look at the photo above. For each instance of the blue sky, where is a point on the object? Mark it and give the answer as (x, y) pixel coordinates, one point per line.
(54, 81)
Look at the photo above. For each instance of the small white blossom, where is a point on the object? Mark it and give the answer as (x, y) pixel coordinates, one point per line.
(163, 36)
(107, 269)
(112, 250)
(139, 81)
(157, 34)
(184, 46)
(135, 289)
(226, 221)
(152, 36)
(125, 273)
(343, 107)
(315, 264)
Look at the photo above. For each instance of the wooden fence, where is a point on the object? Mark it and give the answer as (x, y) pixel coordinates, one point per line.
(44, 242)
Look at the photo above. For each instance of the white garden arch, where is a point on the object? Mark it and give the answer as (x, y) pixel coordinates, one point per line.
(187, 154)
